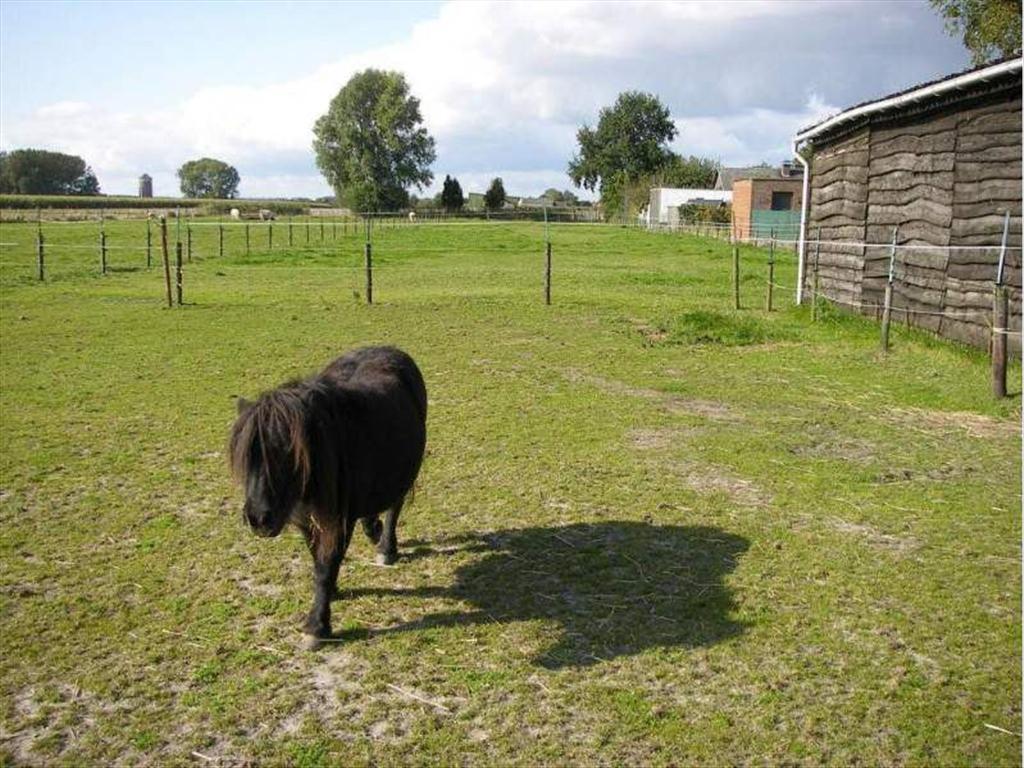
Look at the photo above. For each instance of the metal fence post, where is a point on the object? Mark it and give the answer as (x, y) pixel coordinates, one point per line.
(887, 307)
(177, 269)
(1000, 314)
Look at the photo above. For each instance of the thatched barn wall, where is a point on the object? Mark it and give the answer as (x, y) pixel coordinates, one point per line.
(945, 178)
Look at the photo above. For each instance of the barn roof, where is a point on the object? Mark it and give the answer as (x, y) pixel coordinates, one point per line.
(951, 87)
(726, 176)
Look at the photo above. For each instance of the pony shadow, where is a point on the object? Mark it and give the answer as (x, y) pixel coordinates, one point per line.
(612, 588)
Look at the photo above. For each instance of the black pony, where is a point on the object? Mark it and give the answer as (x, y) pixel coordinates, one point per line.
(321, 453)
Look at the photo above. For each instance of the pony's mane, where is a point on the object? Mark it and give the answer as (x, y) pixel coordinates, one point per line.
(288, 425)
(276, 421)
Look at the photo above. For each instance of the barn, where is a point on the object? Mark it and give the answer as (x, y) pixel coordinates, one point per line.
(938, 167)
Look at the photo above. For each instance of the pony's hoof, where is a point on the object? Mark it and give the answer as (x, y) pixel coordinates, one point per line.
(386, 558)
(311, 643)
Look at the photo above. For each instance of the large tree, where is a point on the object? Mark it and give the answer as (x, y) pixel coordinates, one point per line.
(494, 197)
(452, 198)
(688, 172)
(630, 141)
(39, 172)
(371, 145)
(990, 28)
(207, 177)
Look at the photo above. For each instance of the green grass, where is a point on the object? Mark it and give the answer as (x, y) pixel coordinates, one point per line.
(650, 529)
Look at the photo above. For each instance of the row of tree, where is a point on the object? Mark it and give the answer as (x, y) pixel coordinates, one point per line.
(372, 147)
(41, 172)
(451, 198)
(38, 172)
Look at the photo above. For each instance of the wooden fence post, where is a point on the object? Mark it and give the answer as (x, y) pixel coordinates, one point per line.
(188, 240)
(289, 231)
(368, 254)
(220, 240)
(246, 238)
(167, 259)
(321, 229)
(547, 274)
(40, 258)
(149, 244)
(771, 272)
(177, 270)
(736, 275)
(369, 272)
(307, 231)
(103, 253)
(887, 306)
(814, 277)
(270, 235)
(1000, 316)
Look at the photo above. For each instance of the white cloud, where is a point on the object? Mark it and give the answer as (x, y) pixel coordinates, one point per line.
(750, 136)
(505, 86)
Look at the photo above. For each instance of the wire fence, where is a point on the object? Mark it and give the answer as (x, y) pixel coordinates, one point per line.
(373, 242)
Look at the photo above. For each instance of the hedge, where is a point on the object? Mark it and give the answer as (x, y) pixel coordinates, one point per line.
(99, 202)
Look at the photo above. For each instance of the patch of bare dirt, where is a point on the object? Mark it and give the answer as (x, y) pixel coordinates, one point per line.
(948, 471)
(650, 333)
(705, 409)
(252, 587)
(660, 439)
(835, 446)
(711, 478)
(874, 537)
(326, 676)
(611, 386)
(675, 404)
(971, 424)
(58, 720)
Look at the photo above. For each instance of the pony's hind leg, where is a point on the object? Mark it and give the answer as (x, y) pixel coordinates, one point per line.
(387, 547)
(372, 527)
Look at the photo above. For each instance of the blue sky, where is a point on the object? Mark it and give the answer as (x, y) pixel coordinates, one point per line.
(144, 87)
(145, 53)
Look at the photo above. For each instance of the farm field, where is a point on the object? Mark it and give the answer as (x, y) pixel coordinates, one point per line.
(649, 529)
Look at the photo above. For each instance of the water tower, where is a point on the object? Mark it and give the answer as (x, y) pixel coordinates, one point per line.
(145, 185)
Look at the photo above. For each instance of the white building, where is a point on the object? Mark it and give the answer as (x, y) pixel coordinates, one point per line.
(665, 202)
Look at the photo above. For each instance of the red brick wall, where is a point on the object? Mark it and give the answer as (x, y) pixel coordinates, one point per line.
(742, 197)
(756, 195)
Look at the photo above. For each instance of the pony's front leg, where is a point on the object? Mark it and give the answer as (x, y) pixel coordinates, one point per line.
(325, 574)
(325, 577)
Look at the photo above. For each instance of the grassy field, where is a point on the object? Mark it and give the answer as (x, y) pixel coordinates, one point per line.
(649, 529)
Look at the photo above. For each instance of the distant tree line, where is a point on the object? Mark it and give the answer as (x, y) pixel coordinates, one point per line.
(40, 172)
